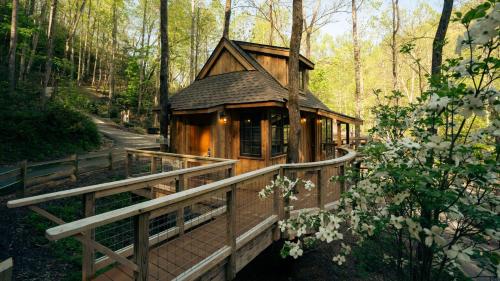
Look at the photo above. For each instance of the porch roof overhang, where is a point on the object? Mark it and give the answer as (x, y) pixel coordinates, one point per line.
(342, 118)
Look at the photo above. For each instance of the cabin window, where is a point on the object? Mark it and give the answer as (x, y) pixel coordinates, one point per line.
(301, 79)
(279, 132)
(250, 136)
(326, 130)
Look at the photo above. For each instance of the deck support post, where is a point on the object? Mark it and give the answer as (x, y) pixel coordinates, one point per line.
(88, 252)
(347, 134)
(179, 186)
(339, 133)
(231, 232)
(141, 246)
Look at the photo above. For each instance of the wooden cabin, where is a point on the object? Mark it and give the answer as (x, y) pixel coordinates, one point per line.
(237, 108)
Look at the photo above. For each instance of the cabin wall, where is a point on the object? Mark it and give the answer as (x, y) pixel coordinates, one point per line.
(225, 63)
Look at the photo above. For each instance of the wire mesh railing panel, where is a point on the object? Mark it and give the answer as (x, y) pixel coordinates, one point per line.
(306, 198)
(250, 208)
(120, 234)
(201, 233)
(205, 178)
(139, 165)
(169, 164)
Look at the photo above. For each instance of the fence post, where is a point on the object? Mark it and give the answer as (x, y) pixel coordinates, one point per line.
(141, 246)
(24, 176)
(75, 161)
(88, 252)
(6, 269)
(231, 231)
(153, 165)
(110, 159)
(179, 186)
(127, 164)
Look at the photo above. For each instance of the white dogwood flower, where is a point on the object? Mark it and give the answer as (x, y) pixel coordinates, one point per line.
(397, 222)
(434, 236)
(339, 259)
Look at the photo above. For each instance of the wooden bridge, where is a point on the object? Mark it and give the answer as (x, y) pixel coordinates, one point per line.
(196, 222)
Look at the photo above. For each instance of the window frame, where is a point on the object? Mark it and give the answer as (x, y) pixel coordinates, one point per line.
(278, 140)
(252, 138)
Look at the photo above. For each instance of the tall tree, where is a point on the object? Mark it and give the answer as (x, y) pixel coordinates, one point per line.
(142, 65)
(357, 66)
(439, 39)
(394, 44)
(192, 39)
(13, 47)
(164, 106)
(227, 19)
(293, 83)
(50, 46)
(113, 55)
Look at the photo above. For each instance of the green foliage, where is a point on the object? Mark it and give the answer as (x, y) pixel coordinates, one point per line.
(30, 132)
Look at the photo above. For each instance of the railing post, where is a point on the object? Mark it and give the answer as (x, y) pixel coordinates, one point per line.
(141, 246)
(153, 165)
(231, 231)
(75, 161)
(24, 176)
(342, 181)
(88, 252)
(110, 159)
(127, 164)
(321, 187)
(179, 186)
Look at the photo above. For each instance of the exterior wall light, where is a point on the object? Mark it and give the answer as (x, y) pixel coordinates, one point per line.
(303, 120)
(223, 117)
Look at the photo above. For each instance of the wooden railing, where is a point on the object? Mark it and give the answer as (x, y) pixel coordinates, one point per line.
(227, 223)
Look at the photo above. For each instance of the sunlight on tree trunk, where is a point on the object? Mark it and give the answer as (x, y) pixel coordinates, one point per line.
(227, 19)
(293, 83)
(164, 144)
(394, 44)
(357, 67)
(112, 62)
(50, 47)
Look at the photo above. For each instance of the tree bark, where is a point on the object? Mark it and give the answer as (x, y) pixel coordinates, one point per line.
(13, 47)
(394, 46)
(197, 40)
(142, 67)
(357, 67)
(439, 39)
(113, 54)
(227, 19)
(74, 26)
(50, 47)
(271, 22)
(164, 104)
(192, 38)
(294, 83)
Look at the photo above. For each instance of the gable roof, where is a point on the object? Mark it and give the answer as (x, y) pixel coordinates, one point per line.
(253, 85)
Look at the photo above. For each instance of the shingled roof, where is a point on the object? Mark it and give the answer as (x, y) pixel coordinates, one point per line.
(250, 86)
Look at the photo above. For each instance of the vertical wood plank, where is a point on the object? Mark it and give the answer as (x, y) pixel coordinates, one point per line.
(231, 232)
(88, 252)
(153, 165)
(141, 246)
(179, 186)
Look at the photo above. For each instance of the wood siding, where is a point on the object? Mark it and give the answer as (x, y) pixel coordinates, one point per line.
(225, 63)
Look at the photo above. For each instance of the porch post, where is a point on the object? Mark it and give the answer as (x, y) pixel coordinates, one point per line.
(339, 133)
(347, 134)
(357, 134)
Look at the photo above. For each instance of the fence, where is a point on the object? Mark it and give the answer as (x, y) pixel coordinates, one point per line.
(214, 229)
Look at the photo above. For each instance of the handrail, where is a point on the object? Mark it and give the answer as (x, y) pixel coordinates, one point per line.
(179, 198)
(112, 185)
(159, 153)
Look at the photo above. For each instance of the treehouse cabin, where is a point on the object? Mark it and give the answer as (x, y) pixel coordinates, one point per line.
(237, 108)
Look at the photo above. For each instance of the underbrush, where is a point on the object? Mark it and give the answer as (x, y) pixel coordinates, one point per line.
(35, 133)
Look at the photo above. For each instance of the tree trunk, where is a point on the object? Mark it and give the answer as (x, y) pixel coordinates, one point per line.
(394, 46)
(271, 22)
(197, 40)
(113, 54)
(79, 71)
(227, 19)
(36, 36)
(164, 104)
(13, 47)
(73, 27)
(192, 39)
(142, 66)
(50, 47)
(294, 83)
(357, 67)
(439, 39)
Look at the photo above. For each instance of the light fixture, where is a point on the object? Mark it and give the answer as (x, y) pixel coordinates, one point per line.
(303, 120)
(223, 117)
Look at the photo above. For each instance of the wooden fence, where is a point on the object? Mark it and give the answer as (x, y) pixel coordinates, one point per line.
(210, 230)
